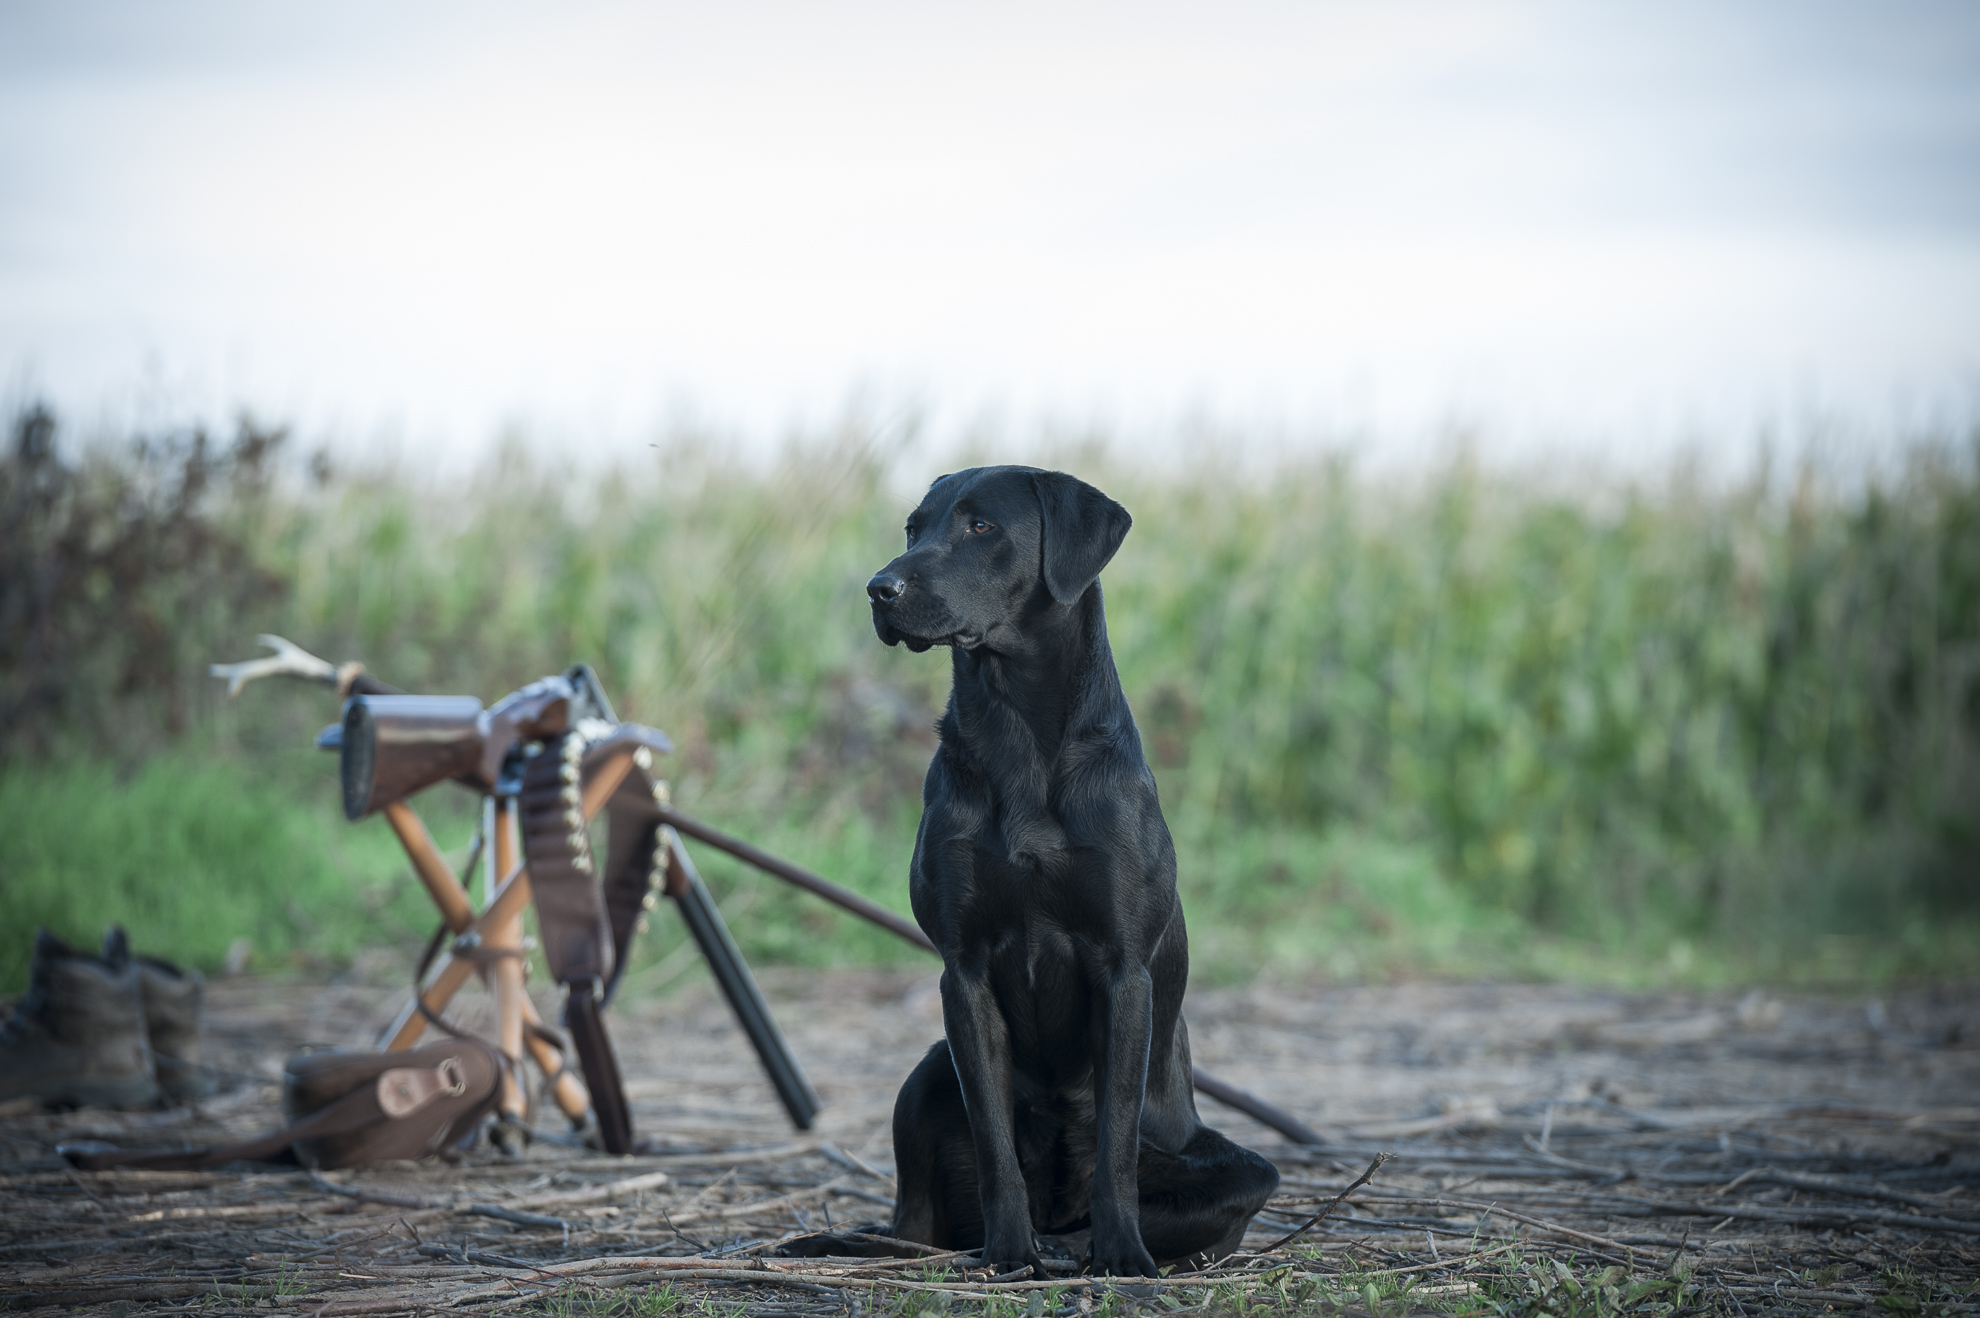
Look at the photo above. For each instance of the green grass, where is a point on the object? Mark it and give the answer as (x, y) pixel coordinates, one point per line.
(1469, 723)
(194, 852)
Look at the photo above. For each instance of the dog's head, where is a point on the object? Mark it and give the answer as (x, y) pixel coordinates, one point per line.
(990, 547)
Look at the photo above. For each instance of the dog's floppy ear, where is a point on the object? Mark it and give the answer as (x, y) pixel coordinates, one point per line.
(1082, 529)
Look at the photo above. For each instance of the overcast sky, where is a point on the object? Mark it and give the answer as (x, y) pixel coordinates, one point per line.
(1590, 222)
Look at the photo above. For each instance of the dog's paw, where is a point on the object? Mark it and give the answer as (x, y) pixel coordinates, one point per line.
(1121, 1258)
(1003, 1258)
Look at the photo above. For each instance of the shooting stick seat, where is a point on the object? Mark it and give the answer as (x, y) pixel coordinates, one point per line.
(548, 760)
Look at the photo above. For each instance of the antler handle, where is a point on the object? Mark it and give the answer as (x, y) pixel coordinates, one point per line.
(289, 660)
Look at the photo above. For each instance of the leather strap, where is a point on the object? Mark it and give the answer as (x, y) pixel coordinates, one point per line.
(356, 1109)
(570, 918)
(634, 865)
(480, 954)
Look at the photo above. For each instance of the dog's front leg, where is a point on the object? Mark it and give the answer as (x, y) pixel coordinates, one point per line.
(1121, 1083)
(980, 1043)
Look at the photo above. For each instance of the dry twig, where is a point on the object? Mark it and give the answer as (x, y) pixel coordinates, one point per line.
(1321, 1216)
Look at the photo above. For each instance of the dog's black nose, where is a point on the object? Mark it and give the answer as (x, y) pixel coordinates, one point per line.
(885, 588)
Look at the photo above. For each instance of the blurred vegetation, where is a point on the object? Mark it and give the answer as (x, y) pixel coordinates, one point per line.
(192, 854)
(1465, 723)
(114, 571)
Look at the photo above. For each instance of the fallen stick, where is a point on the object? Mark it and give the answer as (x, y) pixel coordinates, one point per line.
(756, 1206)
(1825, 1184)
(735, 1158)
(1623, 1205)
(1540, 1223)
(922, 1260)
(840, 1273)
(236, 1211)
(1459, 1261)
(496, 1211)
(1321, 1216)
(1805, 1216)
(928, 1251)
(502, 1214)
(116, 1180)
(596, 1193)
(694, 1269)
(1764, 1174)
(1860, 1299)
(328, 1186)
(394, 1304)
(111, 1295)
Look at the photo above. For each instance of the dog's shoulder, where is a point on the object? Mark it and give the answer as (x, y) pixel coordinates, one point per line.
(1109, 754)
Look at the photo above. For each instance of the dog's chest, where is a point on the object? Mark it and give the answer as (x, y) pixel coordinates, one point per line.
(1044, 993)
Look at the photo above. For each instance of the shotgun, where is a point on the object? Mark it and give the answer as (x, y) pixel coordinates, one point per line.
(555, 753)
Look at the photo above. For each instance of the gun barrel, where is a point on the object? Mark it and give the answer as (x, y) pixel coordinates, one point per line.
(704, 922)
(866, 909)
(601, 1069)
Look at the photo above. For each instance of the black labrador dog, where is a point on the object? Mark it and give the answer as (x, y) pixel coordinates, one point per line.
(1061, 1099)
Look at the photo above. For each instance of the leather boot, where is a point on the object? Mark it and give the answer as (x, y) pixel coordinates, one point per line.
(78, 1037)
(172, 1002)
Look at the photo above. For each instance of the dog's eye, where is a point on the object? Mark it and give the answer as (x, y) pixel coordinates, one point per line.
(977, 526)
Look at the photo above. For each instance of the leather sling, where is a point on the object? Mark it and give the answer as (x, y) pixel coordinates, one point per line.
(577, 941)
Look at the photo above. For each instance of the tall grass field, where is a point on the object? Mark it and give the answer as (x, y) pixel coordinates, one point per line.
(1461, 723)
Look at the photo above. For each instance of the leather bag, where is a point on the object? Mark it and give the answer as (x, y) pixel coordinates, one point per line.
(347, 1109)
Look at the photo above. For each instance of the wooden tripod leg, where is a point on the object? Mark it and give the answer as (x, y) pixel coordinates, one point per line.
(453, 971)
(500, 928)
(410, 1023)
(455, 910)
(441, 885)
(567, 1089)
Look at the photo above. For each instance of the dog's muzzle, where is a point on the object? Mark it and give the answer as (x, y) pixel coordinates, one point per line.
(882, 591)
(887, 591)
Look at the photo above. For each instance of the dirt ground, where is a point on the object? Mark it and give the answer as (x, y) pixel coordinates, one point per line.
(1554, 1150)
